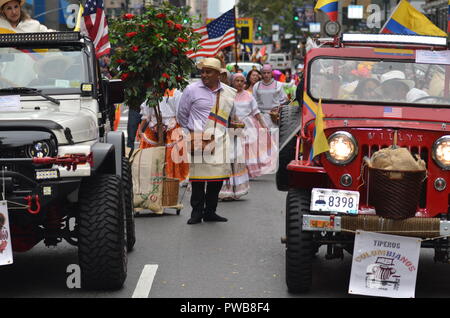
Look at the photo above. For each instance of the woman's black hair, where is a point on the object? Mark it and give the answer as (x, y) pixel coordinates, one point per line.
(359, 90)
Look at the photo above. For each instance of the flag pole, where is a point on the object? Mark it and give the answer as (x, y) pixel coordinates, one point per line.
(236, 40)
(392, 13)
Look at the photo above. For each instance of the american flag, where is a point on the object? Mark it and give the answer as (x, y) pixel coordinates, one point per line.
(392, 112)
(95, 25)
(216, 35)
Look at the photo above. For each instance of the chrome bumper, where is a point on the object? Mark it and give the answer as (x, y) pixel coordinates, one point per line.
(414, 227)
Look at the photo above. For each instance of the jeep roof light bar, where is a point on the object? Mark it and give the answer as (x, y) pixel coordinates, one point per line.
(394, 39)
(17, 39)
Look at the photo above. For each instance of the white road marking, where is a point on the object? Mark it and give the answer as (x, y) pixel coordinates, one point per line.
(145, 282)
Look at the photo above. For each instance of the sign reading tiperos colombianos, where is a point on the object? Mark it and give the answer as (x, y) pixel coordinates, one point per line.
(384, 265)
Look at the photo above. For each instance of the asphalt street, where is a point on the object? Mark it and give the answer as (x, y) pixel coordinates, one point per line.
(242, 258)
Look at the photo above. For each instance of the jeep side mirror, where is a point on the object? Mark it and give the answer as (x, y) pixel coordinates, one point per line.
(114, 91)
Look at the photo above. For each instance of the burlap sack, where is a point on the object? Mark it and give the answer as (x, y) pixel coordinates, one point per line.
(399, 159)
(147, 167)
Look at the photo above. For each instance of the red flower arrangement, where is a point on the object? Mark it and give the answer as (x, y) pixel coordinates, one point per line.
(149, 52)
(181, 40)
(131, 34)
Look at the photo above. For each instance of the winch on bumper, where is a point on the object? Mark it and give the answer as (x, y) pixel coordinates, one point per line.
(47, 185)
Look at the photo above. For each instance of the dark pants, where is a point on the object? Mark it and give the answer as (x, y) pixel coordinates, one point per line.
(205, 196)
(134, 119)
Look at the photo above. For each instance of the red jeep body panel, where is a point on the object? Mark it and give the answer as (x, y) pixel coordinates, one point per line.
(418, 127)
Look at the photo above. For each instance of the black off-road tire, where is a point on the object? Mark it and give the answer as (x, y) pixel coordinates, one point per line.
(299, 244)
(127, 180)
(289, 120)
(101, 227)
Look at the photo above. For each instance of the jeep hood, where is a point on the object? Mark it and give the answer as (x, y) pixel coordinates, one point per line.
(82, 125)
(382, 116)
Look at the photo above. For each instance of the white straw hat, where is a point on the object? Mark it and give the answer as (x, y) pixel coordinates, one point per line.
(398, 76)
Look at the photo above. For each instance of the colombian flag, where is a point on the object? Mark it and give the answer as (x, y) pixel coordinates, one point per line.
(320, 143)
(330, 7)
(409, 21)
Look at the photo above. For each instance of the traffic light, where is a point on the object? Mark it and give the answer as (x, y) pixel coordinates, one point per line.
(245, 33)
(258, 33)
(296, 18)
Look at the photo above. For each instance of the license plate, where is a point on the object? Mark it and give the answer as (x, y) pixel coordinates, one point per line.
(331, 200)
(6, 256)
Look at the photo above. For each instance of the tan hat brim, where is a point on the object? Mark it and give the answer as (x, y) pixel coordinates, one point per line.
(201, 65)
(3, 2)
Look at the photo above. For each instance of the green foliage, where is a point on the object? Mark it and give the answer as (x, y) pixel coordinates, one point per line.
(150, 52)
(268, 12)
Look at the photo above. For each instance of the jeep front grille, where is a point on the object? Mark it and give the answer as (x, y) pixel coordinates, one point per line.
(16, 152)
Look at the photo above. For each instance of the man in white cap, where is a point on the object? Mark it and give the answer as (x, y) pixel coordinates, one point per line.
(394, 86)
(207, 105)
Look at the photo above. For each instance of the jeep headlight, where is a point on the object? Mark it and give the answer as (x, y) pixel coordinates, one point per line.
(441, 152)
(343, 148)
(40, 149)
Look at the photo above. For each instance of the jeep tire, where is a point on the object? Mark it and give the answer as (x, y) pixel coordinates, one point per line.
(289, 120)
(129, 204)
(101, 227)
(299, 244)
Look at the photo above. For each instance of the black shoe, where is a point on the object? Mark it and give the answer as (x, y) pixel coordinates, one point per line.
(196, 217)
(213, 217)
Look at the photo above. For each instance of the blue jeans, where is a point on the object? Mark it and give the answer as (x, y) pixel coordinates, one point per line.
(134, 119)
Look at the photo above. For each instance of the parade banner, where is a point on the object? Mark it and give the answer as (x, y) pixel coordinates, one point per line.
(384, 265)
(6, 255)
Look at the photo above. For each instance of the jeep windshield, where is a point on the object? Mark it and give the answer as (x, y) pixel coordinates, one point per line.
(378, 81)
(49, 70)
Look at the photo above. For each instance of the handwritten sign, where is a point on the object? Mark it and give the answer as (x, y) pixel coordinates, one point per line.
(6, 256)
(384, 265)
(10, 103)
(433, 57)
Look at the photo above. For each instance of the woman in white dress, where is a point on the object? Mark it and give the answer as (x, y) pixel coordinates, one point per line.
(269, 95)
(149, 136)
(245, 111)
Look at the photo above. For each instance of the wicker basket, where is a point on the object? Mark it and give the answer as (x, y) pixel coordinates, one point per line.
(395, 194)
(171, 187)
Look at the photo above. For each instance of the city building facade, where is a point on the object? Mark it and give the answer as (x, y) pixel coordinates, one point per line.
(437, 12)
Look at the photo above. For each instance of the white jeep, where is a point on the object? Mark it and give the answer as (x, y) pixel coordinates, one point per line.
(63, 172)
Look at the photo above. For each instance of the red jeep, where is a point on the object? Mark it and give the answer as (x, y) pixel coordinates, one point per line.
(375, 90)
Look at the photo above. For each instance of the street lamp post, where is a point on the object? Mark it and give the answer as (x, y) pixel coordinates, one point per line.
(386, 2)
